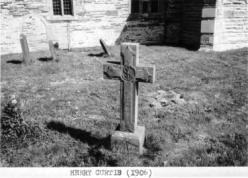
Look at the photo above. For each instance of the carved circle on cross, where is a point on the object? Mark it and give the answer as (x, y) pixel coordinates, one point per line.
(128, 73)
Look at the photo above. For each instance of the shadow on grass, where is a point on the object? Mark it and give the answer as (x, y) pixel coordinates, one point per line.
(102, 54)
(45, 59)
(82, 135)
(114, 62)
(14, 62)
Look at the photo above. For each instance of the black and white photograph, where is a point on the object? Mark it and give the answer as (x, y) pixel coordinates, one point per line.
(124, 83)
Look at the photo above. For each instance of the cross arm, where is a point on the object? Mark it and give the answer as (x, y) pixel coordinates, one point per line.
(145, 74)
(112, 71)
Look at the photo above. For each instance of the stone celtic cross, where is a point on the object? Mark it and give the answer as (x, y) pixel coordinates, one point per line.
(130, 73)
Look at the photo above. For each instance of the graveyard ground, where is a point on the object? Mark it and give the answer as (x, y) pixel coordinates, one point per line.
(76, 109)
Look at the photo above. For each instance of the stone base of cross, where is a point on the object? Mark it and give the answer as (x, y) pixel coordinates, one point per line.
(130, 138)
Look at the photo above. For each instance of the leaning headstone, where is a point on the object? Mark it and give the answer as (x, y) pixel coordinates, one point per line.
(105, 48)
(130, 138)
(25, 49)
(52, 50)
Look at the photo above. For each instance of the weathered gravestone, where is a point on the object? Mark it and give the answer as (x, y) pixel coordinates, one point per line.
(25, 49)
(52, 50)
(130, 137)
(105, 48)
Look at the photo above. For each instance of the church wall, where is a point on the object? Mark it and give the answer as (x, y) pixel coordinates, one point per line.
(173, 22)
(191, 23)
(143, 31)
(231, 25)
(207, 24)
(22, 17)
(93, 19)
(110, 20)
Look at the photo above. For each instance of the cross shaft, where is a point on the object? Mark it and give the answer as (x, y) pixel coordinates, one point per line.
(130, 73)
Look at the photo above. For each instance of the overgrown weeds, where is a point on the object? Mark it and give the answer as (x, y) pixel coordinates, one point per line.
(13, 126)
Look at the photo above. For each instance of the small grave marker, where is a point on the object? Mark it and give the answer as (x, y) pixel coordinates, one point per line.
(130, 73)
(52, 50)
(105, 48)
(25, 49)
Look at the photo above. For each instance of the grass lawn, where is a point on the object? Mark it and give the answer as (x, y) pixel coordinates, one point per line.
(77, 110)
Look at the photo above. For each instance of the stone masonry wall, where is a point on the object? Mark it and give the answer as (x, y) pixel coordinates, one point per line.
(145, 27)
(16, 19)
(143, 31)
(191, 23)
(173, 21)
(231, 24)
(93, 19)
(217, 25)
(188, 23)
(207, 25)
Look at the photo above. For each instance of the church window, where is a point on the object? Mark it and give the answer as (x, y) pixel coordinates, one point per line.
(62, 7)
(144, 6)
